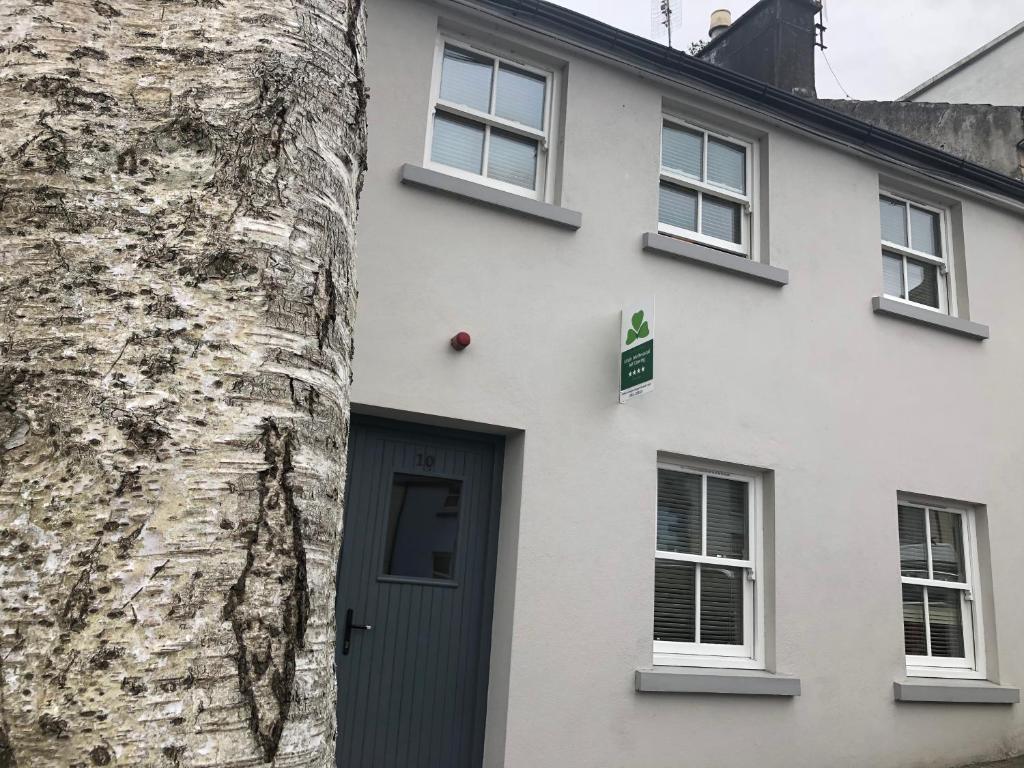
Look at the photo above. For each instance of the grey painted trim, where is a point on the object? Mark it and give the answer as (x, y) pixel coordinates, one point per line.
(883, 305)
(938, 691)
(963, 63)
(496, 198)
(736, 682)
(710, 257)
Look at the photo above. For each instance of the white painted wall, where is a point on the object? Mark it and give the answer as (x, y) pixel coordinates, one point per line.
(994, 77)
(846, 407)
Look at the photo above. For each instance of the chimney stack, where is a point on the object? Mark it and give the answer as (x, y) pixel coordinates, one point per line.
(721, 20)
(772, 42)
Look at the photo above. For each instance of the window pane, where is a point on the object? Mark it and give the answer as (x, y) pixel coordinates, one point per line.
(720, 219)
(423, 526)
(458, 143)
(914, 638)
(677, 207)
(913, 551)
(727, 165)
(721, 605)
(674, 601)
(679, 509)
(892, 275)
(512, 158)
(924, 231)
(923, 283)
(727, 518)
(466, 79)
(945, 622)
(947, 546)
(520, 96)
(894, 221)
(682, 150)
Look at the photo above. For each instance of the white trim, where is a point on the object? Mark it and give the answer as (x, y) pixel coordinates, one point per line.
(682, 180)
(935, 582)
(946, 280)
(972, 664)
(748, 213)
(543, 177)
(749, 654)
(511, 126)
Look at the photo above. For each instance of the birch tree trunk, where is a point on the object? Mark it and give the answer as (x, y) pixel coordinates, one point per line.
(178, 190)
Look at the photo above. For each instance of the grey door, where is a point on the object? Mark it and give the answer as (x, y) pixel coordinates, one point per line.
(417, 567)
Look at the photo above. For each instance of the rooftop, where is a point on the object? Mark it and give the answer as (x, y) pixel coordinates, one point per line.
(589, 34)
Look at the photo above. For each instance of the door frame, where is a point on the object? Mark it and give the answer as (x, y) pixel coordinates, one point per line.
(497, 443)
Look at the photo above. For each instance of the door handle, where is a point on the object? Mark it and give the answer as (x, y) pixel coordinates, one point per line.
(346, 642)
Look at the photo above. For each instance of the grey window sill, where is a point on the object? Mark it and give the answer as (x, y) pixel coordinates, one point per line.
(736, 682)
(886, 306)
(942, 691)
(715, 259)
(489, 196)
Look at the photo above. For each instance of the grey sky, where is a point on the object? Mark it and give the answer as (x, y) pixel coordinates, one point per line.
(880, 49)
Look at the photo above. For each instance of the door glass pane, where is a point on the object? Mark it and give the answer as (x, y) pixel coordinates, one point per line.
(913, 550)
(512, 159)
(458, 143)
(923, 283)
(727, 518)
(914, 638)
(892, 275)
(727, 165)
(947, 546)
(466, 79)
(674, 601)
(721, 605)
(679, 510)
(924, 231)
(520, 96)
(677, 207)
(945, 622)
(894, 221)
(423, 526)
(682, 150)
(720, 219)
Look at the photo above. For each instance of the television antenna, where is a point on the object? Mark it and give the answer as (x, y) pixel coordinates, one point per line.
(666, 18)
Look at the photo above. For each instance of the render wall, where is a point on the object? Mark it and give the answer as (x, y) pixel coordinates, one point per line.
(979, 133)
(995, 77)
(845, 407)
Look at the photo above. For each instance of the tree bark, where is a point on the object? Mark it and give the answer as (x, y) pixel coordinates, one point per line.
(178, 191)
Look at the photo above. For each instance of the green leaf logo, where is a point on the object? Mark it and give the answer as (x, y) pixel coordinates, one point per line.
(640, 329)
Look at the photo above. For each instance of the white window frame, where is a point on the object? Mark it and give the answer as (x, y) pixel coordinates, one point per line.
(750, 655)
(489, 121)
(746, 201)
(947, 294)
(972, 666)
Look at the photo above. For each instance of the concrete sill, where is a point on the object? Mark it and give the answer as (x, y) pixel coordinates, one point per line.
(425, 178)
(735, 682)
(714, 259)
(943, 691)
(886, 306)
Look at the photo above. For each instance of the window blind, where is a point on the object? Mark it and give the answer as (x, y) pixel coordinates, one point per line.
(458, 143)
(520, 96)
(727, 165)
(466, 79)
(700, 516)
(512, 159)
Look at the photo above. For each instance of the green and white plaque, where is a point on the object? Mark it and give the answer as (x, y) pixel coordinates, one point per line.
(636, 364)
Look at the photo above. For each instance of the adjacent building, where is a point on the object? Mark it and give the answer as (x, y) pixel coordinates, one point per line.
(801, 547)
(990, 75)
